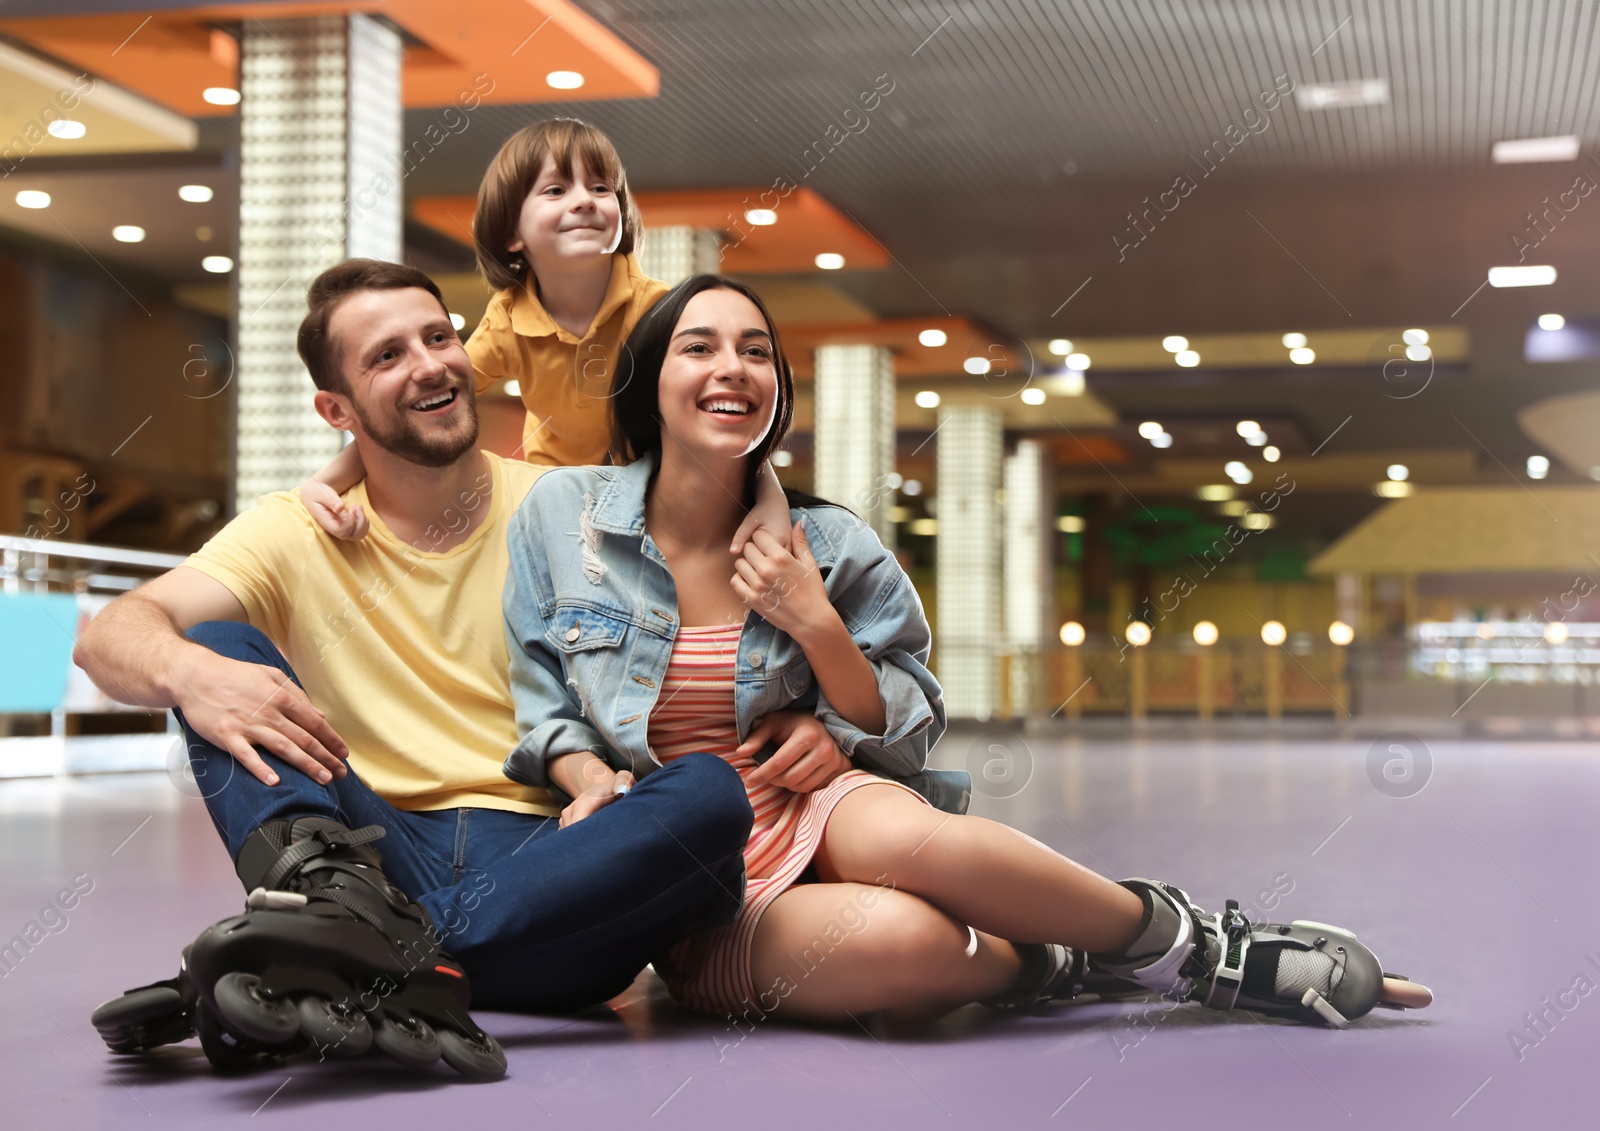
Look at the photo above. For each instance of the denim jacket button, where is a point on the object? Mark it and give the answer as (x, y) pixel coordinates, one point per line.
(573, 633)
(756, 659)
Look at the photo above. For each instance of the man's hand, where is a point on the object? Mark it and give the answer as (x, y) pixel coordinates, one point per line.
(602, 786)
(239, 706)
(807, 757)
(344, 522)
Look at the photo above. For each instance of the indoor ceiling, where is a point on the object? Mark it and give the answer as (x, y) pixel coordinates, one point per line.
(1010, 140)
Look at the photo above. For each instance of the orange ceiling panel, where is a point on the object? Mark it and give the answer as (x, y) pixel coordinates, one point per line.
(170, 56)
(806, 225)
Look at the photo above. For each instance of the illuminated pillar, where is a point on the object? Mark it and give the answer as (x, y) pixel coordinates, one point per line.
(854, 433)
(319, 181)
(673, 254)
(969, 579)
(1029, 578)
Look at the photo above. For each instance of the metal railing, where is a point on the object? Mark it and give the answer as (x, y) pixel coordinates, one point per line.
(39, 565)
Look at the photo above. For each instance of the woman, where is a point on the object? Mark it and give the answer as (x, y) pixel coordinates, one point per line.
(632, 645)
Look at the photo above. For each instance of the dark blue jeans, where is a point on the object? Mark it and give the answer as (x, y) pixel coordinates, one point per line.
(542, 918)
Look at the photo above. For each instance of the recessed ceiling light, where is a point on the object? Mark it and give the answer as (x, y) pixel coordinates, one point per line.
(1247, 428)
(1551, 321)
(195, 194)
(1529, 276)
(220, 95)
(1214, 492)
(1271, 454)
(217, 264)
(782, 458)
(1067, 383)
(830, 260)
(564, 80)
(1419, 353)
(1060, 346)
(1294, 341)
(33, 198)
(1174, 343)
(933, 338)
(1392, 490)
(977, 366)
(1524, 149)
(457, 321)
(128, 233)
(1256, 439)
(1150, 428)
(1415, 337)
(1398, 472)
(1162, 441)
(1187, 358)
(1237, 471)
(1255, 520)
(1340, 95)
(927, 399)
(1538, 467)
(1077, 361)
(67, 130)
(761, 217)
(1033, 395)
(1305, 355)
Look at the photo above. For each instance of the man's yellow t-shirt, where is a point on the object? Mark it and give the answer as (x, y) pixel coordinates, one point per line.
(566, 381)
(403, 648)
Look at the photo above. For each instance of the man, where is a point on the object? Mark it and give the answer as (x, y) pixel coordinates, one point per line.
(336, 692)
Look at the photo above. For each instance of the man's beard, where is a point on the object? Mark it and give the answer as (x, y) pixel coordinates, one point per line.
(404, 439)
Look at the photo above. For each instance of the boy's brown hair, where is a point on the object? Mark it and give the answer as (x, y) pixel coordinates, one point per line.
(511, 177)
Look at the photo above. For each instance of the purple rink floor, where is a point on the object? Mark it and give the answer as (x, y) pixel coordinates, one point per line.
(1481, 885)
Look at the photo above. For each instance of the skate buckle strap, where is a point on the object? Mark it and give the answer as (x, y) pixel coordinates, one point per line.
(263, 900)
(1325, 1009)
(1233, 934)
(315, 845)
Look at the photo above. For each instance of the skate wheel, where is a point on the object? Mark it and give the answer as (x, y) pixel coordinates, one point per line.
(222, 1050)
(334, 1030)
(142, 1019)
(477, 1058)
(243, 1006)
(410, 1041)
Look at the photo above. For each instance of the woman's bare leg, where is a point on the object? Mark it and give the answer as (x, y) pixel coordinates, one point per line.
(978, 871)
(825, 952)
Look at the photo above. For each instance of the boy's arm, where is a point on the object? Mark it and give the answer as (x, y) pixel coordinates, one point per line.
(321, 496)
(771, 511)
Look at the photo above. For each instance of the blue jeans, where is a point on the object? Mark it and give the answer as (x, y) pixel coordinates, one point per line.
(542, 918)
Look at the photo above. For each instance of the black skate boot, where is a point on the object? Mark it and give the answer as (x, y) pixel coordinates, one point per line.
(1303, 970)
(328, 957)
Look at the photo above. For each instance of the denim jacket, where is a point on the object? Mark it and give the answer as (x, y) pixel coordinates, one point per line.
(591, 613)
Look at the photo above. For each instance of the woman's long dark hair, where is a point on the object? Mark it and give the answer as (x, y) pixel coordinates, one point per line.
(635, 387)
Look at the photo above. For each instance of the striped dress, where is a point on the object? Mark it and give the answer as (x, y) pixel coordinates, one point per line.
(710, 971)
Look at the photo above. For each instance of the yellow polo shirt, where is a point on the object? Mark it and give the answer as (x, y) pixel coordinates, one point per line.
(402, 647)
(566, 381)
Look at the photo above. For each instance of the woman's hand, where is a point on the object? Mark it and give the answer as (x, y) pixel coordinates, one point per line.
(343, 522)
(602, 787)
(784, 588)
(807, 757)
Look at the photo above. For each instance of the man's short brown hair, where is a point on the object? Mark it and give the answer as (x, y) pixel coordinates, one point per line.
(328, 290)
(511, 177)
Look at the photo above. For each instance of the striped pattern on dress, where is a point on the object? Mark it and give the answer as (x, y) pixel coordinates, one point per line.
(695, 712)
